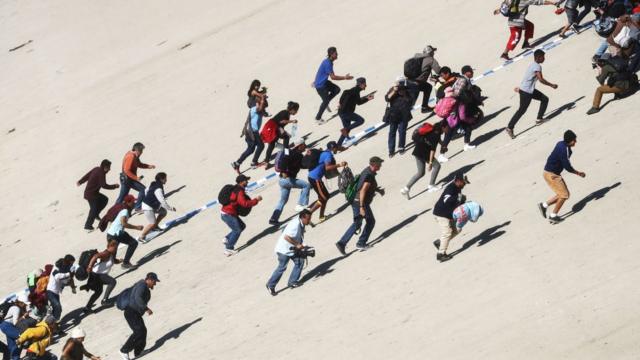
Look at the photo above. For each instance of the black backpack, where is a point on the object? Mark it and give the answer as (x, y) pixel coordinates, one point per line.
(310, 160)
(224, 196)
(85, 259)
(413, 67)
(244, 211)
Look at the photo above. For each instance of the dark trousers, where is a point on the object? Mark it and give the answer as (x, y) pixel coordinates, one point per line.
(96, 205)
(350, 121)
(327, 92)
(285, 143)
(417, 88)
(254, 146)
(96, 283)
(370, 222)
(525, 100)
(127, 239)
(138, 340)
(468, 128)
(401, 129)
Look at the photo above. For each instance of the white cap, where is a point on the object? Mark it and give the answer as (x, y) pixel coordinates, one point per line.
(77, 333)
(23, 298)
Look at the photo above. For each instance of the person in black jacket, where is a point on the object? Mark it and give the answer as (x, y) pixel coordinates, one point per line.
(443, 211)
(291, 165)
(398, 115)
(282, 118)
(139, 297)
(348, 101)
(155, 203)
(424, 152)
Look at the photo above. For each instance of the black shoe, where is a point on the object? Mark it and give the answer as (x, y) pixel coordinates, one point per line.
(235, 166)
(526, 45)
(127, 265)
(89, 229)
(105, 302)
(443, 257)
(437, 244)
(543, 210)
(364, 247)
(295, 285)
(402, 150)
(84, 287)
(391, 155)
(341, 249)
(274, 222)
(272, 291)
(592, 111)
(556, 219)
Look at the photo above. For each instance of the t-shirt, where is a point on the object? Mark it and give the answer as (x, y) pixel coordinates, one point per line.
(256, 119)
(326, 158)
(13, 315)
(116, 226)
(325, 69)
(281, 116)
(367, 176)
(294, 230)
(103, 267)
(528, 84)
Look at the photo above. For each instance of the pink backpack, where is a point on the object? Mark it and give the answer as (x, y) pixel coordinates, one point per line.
(445, 106)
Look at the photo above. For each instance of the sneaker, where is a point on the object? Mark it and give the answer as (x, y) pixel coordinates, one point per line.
(468, 147)
(142, 240)
(555, 219)
(426, 109)
(271, 290)
(89, 229)
(539, 121)
(322, 219)
(391, 154)
(235, 166)
(402, 151)
(299, 208)
(124, 356)
(295, 285)
(364, 247)
(274, 222)
(543, 210)
(442, 158)
(437, 244)
(341, 249)
(432, 188)
(443, 257)
(405, 191)
(510, 133)
(104, 302)
(562, 36)
(505, 57)
(229, 252)
(592, 111)
(127, 265)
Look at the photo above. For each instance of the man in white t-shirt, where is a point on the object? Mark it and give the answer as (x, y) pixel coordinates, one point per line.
(61, 276)
(528, 92)
(15, 313)
(291, 237)
(117, 230)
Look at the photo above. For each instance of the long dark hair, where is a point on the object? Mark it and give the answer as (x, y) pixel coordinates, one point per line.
(254, 84)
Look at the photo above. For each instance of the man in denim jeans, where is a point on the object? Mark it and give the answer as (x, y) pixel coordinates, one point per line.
(129, 178)
(291, 165)
(291, 237)
(229, 214)
(367, 187)
(325, 88)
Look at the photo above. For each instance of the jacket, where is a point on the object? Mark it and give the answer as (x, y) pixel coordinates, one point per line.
(448, 201)
(150, 197)
(468, 211)
(139, 297)
(349, 99)
(238, 198)
(425, 144)
(95, 179)
(130, 165)
(559, 159)
(429, 64)
(523, 10)
(39, 336)
(618, 79)
(400, 107)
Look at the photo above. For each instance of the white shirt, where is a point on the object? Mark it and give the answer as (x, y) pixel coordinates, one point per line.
(116, 226)
(13, 315)
(295, 230)
(528, 84)
(103, 267)
(58, 281)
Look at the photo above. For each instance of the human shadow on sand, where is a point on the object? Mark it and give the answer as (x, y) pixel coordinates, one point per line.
(173, 334)
(174, 191)
(150, 256)
(484, 237)
(392, 230)
(322, 269)
(596, 195)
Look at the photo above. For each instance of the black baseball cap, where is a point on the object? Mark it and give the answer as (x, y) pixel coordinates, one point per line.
(461, 177)
(376, 160)
(241, 178)
(466, 68)
(152, 276)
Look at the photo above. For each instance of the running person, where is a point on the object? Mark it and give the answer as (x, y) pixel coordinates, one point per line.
(129, 178)
(282, 119)
(98, 269)
(155, 203)
(252, 135)
(424, 152)
(96, 180)
(118, 233)
(325, 88)
(326, 162)
(347, 111)
(292, 164)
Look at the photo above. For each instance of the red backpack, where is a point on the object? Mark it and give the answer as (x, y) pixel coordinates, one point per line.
(269, 132)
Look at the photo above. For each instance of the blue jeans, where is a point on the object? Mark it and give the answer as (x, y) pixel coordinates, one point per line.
(12, 333)
(125, 185)
(254, 146)
(602, 48)
(282, 266)
(286, 184)
(327, 92)
(401, 129)
(349, 122)
(56, 306)
(357, 222)
(236, 225)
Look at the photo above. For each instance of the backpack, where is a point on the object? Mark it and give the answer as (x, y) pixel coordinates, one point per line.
(110, 216)
(224, 196)
(310, 160)
(346, 178)
(281, 160)
(423, 130)
(83, 263)
(4, 308)
(122, 301)
(269, 132)
(352, 189)
(445, 106)
(413, 67)
(605, 26)
(510, 8)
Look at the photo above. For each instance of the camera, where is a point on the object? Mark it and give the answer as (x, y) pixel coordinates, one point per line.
(306, 251)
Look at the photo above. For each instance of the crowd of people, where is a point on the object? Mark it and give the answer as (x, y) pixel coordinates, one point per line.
(31, 319)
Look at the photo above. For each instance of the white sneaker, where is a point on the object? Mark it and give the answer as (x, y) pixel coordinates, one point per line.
(300, 208)
(142, 240)
(432, 188)
(442, 158)
(124, 356)
(224, 240)
(468, 147)
(229, 252)
(405, 191)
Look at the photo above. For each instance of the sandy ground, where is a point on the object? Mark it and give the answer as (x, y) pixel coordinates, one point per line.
(99, 76)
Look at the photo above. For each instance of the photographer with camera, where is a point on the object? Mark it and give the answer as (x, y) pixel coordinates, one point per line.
(290, 247)
(614, 78)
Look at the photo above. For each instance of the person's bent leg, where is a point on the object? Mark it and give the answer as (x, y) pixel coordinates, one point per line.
(514, 38)
(325, 96)
(544, 102)
(298, 264)
(136, 185)
(446, 233)
(525, 100)
(277, 273)
(420, 166)
(251, 147)
(93, 212)
(56, 306)
(303, 199)
(285, 190)
(234, 226)
(468, 129)
(333, 91)
(357, 222)
(270, 148)
(110, 282)
(604, 45)
(141, 341)
(426, 94)
(345, 127)
(131, 243)
(134, 321)
(528, 30)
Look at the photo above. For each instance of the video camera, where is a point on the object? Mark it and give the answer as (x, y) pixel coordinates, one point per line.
(306, 251)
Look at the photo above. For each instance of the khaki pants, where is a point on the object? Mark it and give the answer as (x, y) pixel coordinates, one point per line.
(601, 90)
(447, 232)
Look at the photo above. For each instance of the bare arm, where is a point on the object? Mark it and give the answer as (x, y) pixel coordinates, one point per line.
(363, 193)
(544, 81)
(125, 224)
(338, 77)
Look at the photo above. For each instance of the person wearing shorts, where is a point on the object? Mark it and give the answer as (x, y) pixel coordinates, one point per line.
(154, 202)
(558, 161)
